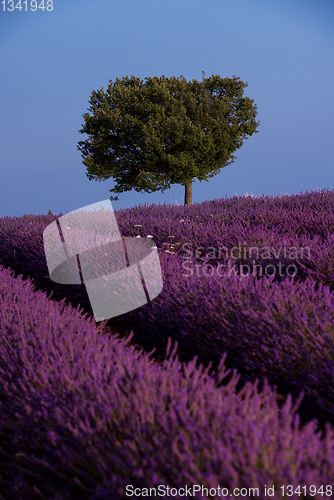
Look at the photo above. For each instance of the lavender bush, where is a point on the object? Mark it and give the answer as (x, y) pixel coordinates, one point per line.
(92, 421)
(84, 415)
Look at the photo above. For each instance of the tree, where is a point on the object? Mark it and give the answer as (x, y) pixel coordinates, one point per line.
(165, 131)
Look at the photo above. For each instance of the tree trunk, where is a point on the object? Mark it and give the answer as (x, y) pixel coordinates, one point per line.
(188, 193)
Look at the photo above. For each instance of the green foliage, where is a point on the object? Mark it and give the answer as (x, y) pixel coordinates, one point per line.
(165, 131)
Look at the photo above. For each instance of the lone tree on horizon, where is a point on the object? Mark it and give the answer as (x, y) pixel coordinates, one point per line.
(165, 131)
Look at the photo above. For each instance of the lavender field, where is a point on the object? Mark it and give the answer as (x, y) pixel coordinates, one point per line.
(238, 391)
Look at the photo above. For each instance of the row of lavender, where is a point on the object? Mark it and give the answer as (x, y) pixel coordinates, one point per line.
(281, 236)
(281, 326)
(85, 415)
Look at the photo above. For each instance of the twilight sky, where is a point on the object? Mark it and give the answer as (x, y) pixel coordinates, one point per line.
(50, 61)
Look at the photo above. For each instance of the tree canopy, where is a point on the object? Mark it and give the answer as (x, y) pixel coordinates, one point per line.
(150, 135)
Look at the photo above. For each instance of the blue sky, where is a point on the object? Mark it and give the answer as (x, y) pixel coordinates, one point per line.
(51, 61)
